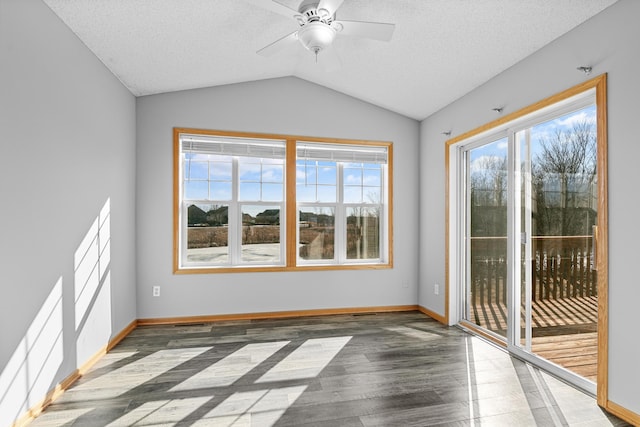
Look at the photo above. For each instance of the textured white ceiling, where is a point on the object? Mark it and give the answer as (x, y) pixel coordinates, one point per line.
(440, 50)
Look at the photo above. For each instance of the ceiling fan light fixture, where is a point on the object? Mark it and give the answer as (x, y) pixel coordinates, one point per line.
(316, 36)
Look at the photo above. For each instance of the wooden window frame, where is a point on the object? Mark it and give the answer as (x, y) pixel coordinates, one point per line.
(290, 203)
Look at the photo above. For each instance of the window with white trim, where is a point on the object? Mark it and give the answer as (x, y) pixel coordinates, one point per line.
(340, 199)
(248, 201)
(232, 197)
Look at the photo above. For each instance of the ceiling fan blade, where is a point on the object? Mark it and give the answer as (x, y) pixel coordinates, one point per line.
(278, 45)
(274, 7)
(330, 5)
(371, 30)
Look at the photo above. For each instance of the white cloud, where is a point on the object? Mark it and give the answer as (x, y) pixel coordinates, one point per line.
(353, 179)
(581, 117)
(371, 180)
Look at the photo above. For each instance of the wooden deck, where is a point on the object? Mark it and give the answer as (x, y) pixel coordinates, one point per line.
(564, 330)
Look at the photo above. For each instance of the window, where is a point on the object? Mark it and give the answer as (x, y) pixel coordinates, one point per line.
(232, 193)
(274, 203)
(340, 194)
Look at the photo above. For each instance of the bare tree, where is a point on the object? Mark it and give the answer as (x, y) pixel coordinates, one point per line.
(563, 174)
(488, 179)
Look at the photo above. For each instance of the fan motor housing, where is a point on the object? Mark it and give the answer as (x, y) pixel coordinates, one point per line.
(309, 12)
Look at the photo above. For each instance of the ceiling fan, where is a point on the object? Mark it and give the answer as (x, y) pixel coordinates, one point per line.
(319, 26)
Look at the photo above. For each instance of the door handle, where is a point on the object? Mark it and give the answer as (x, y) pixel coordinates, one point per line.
(594, 245)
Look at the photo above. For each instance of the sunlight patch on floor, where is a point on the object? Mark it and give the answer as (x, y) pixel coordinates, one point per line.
(132, 375)
(252, 408)
(231, 368)
(159, 412)
(307, 361)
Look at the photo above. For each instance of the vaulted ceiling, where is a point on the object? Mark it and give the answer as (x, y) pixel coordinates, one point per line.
(440, 49)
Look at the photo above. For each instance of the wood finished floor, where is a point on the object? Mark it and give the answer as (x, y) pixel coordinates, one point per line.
(564, 330)
(392, 369)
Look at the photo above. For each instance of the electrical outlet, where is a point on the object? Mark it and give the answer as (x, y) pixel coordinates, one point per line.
(436, 289)
(156, 291)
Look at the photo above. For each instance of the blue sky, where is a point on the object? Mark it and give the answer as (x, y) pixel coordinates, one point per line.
(499, 148)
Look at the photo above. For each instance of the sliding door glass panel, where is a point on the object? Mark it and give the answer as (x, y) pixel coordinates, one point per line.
(559, 214)
(486, 236)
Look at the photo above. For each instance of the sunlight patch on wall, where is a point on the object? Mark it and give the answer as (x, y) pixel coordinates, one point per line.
(91, 262)
(30, 373)
(95, 330)
(233, 367)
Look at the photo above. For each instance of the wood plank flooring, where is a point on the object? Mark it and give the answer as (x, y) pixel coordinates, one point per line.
(578, 353)
(564, 330)
(391, 369)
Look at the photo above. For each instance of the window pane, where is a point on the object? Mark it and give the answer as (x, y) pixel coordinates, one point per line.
(371, 194)
(305, 172)
(207, 234)
(261, 234)
(352, 176)
(196, 190)
(306, 193)
(220, 171)
(372, 177)
(316, 181)
(327, 174)
(300, 173)
(316, 233)
(352, 194)
(272, 173)
(272, 192)
(249, 171)
(326, 193)
(196, 170)
(363, 233)
(220, 190)
(249, 191)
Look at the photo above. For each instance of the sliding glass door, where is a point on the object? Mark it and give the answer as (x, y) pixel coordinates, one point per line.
(529, 221)
(556, 221)
(486, 236)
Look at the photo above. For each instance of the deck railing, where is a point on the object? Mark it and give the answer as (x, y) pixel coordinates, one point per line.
(561, 267)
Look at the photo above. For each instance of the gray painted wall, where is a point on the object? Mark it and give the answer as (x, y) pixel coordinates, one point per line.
(68, 147)
(609, 43)
(284, 106)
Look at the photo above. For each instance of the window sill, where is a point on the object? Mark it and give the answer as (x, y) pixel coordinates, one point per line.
(269, 269)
